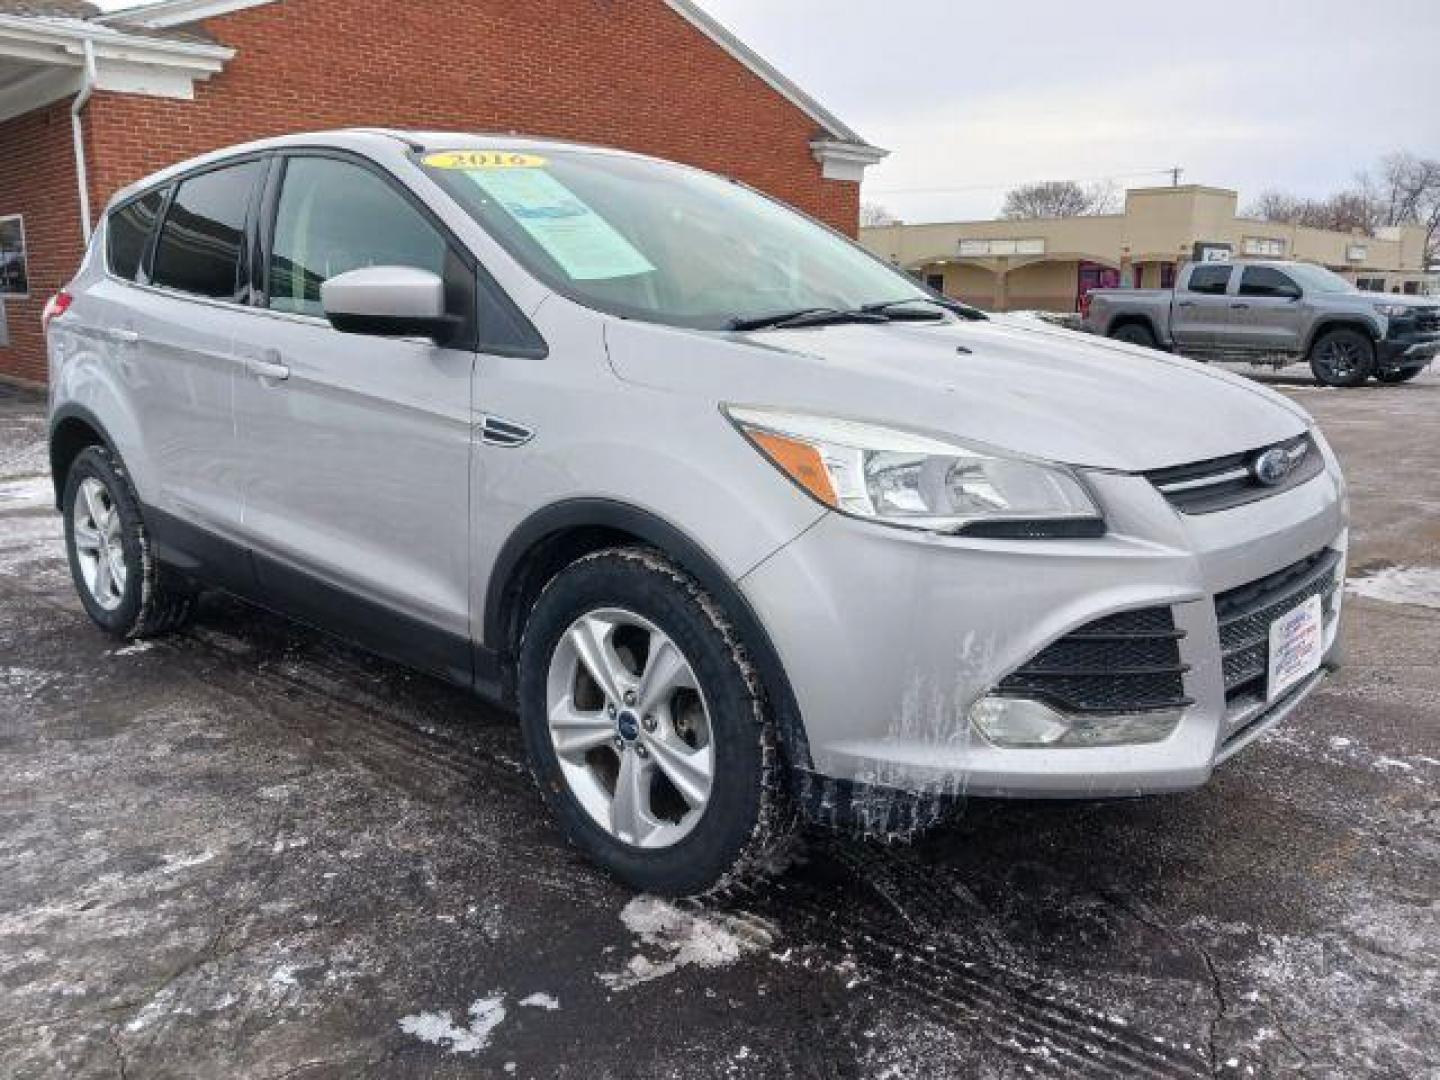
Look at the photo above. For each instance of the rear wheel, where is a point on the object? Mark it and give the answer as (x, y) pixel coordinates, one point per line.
(124, 591)
(1135, 334)
(645, 726)
(1398, 376)
(1342, 357)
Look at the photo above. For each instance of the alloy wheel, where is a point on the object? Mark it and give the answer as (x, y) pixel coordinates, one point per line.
(630, 727)
(99, 548)
(1339, 358)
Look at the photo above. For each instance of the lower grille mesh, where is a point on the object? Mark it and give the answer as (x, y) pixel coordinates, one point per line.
(1125, 663)
(1245, 615)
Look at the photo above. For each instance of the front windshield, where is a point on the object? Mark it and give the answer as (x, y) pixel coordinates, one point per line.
(660, 242)
(1316, 279)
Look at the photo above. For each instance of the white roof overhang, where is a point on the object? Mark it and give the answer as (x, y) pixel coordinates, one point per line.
(43, 60)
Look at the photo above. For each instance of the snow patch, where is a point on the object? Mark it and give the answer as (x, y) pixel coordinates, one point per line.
(1418, 585)
(134, 650)
(28, 493)
(541, 1001)
(682, 939)
(440, 1029)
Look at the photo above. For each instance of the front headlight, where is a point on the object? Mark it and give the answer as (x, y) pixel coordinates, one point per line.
(1392, 311)
(914, 481)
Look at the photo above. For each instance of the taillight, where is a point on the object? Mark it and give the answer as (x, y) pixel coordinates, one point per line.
(56, 306)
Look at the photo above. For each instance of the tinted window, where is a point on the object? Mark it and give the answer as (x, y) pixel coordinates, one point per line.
(128, 234)
(200, 242)
(333, 217)
(1209, 279)
(1264, 281)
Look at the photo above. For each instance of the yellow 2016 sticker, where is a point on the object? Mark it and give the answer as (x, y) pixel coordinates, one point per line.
(483, 159)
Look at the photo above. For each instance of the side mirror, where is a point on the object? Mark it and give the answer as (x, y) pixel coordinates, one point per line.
(388, 301)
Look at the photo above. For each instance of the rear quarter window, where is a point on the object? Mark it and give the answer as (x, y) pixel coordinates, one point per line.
(127, 235)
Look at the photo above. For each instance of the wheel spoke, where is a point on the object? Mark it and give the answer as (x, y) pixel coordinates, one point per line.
(576, 733)
(86, 539)
(93, 505)
(688, 770)
(665, 672)
(630, 818)
(590, 638)
(103, 584)
(115, 559)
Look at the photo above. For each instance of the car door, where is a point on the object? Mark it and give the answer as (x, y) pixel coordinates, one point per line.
(1265, 312)
(356, 449)
(175, 337)
(1201, 308)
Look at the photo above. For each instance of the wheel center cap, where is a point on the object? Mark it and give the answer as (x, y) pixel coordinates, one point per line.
(627, 726)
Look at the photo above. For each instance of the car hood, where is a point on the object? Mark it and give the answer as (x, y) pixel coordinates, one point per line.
(1014, 384)
(1408, 300)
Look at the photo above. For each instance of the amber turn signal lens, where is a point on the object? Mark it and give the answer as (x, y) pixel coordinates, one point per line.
(798, 460)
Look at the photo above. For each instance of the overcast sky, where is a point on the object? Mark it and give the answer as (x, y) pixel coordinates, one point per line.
(974, 97)
(1248, 94)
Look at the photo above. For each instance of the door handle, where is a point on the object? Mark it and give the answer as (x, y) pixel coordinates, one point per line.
(1185, 303)
(1240, 307)
(267, 369)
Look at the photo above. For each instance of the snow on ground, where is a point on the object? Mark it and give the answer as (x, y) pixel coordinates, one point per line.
(439, 1028)
(28, 493)
(1418, 585)
(683, 938)
(538, 1000)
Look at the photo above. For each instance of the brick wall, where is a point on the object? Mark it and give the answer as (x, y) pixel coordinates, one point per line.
(37, 179)
(629, 73)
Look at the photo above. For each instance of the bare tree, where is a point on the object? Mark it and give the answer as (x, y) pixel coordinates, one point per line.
(1059, 199)
(1404, 189)
(875, 216)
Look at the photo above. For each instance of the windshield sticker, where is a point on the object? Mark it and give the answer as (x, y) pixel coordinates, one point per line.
(482, 159)
(587, 247)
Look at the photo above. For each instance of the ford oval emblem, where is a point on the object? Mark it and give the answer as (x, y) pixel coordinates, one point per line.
(1274, 465)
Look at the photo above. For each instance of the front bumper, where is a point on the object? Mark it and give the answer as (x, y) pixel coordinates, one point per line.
(1409, 351)
(889, 637)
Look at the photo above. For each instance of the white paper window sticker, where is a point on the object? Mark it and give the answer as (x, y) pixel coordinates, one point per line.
(587, 247)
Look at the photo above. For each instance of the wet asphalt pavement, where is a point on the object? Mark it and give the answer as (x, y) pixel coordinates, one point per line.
(251, 851)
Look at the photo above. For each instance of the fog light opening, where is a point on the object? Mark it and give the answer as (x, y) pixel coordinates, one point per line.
(1016, 722)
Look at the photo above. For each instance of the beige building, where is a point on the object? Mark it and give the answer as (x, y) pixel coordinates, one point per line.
(1049, 263)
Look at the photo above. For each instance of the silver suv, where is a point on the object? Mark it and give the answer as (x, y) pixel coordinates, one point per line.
(750, 527)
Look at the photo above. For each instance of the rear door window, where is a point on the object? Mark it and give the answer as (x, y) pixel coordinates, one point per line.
(1209, 280)
(128, 235)
(200, 244)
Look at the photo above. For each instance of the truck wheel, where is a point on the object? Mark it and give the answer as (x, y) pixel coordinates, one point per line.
(124, 591)
(1135, 334)
(1400, 376)
(646, 728)
(1342, 357)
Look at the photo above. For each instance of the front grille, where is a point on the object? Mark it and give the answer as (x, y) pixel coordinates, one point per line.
(1427, 319)
(1245, 614)
(1125, 663)
(1203, 487)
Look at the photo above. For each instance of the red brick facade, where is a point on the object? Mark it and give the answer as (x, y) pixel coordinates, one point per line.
(630, 73)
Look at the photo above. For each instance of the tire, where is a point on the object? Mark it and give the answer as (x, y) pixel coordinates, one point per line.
(1136, 334)
(635, 606)
(149, 602)
(1402, 375)
(1342, 357)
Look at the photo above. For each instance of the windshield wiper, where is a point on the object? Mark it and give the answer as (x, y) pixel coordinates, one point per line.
(893, 308)
(815, 316)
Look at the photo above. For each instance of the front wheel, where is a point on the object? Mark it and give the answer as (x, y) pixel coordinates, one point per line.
(645, 726)
(1393, 377)
(1342, 358)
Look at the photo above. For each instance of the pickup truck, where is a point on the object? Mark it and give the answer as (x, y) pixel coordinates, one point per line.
(1274, 313)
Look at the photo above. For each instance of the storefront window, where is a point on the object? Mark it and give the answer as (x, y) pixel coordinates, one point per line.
(14, 272)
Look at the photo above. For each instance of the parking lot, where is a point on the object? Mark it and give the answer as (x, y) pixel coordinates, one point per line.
(252, 851)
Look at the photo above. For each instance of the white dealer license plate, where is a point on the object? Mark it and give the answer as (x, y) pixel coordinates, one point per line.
(1296, 643)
